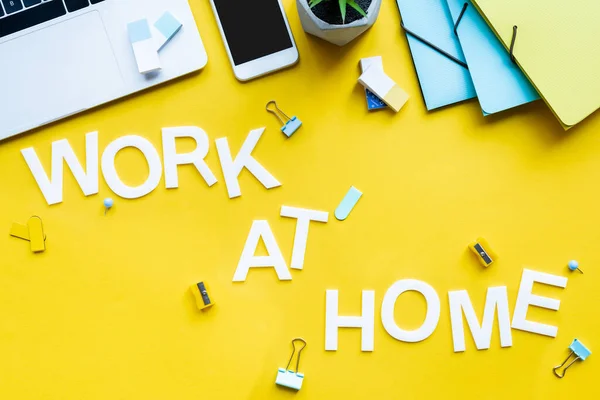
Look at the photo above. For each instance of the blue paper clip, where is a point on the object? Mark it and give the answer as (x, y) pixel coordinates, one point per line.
(287, 377)
(290, 125)
(581, 353)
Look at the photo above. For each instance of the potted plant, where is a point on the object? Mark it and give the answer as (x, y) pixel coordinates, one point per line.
(337, 21)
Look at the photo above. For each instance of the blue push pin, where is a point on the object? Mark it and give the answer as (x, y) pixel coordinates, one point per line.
(574, 265)
(108, 203)
(290, 125)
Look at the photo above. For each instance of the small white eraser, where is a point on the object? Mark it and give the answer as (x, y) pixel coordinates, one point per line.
(146, 56)
(144, 46)
(373, 102)
(384, 87)
(367, 62)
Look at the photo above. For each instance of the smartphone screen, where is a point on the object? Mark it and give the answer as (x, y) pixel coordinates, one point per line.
(253, 28)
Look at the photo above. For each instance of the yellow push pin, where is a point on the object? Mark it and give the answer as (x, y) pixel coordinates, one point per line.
(32, 232)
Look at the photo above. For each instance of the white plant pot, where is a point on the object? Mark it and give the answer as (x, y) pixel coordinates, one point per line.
(336, 34)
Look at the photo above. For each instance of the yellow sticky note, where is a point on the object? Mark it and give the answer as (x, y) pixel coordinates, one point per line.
(20, 231)
(556, 47)
(36, 234)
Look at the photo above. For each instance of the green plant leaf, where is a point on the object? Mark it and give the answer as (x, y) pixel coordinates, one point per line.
(343, 9)
(359, 10)
(313, 3)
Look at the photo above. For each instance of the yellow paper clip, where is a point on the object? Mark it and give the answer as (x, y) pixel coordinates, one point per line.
(33, 232)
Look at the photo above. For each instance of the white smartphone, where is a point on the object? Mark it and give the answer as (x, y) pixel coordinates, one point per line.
(257, 36)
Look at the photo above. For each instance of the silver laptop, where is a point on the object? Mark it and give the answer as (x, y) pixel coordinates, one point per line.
(60, 57)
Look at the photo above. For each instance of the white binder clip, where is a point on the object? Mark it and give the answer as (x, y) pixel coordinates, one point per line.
(290, 125)
(287, 377)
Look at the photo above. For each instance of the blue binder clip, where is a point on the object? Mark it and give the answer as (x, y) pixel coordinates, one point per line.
(287, 377)
(581, 353)
(290, 125)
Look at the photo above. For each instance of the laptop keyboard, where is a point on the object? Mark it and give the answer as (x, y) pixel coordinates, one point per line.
(17, 15)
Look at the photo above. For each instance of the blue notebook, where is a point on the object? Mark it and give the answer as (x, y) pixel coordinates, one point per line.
(443, 81)
(499, 82)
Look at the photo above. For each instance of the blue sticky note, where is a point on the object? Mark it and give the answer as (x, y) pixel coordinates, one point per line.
(442, 80)
(499, 83)
(579, 349)
(168, 26)
(348, 203)
(139, 31)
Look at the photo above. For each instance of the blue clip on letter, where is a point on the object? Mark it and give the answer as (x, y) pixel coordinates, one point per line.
(290, 125)
(288, 378)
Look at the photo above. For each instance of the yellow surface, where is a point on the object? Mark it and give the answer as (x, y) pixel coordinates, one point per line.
(557, 47)
(106, 312)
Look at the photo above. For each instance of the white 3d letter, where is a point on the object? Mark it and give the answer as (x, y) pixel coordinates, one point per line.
(431, 318)
(196, 157)
(460, 302)
(304, 217)
(232, 169)
(61, 149)
(248, 259)
(110, 173)
(525, 299)
(366, 321)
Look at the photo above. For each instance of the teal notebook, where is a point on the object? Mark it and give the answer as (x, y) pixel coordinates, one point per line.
(443, 81)
(498, 81)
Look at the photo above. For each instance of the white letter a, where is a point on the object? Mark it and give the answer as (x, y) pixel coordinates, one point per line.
(274, 259)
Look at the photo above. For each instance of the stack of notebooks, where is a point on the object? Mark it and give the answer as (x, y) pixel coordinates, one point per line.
(461, 49)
